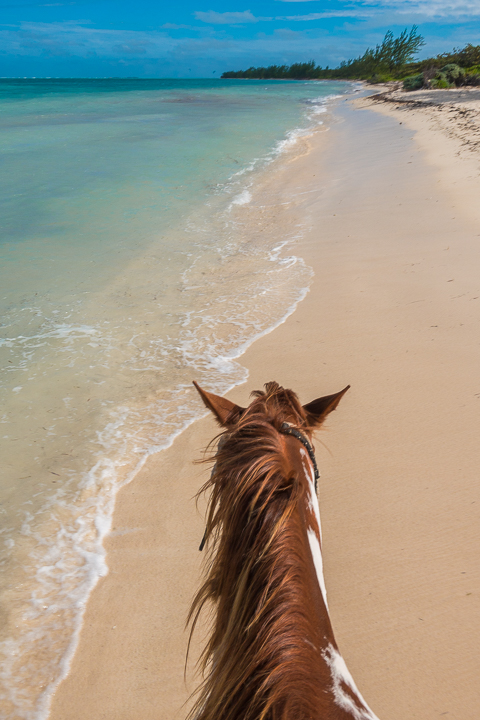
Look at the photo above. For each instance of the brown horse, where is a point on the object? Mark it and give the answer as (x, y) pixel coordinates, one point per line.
(272, 654)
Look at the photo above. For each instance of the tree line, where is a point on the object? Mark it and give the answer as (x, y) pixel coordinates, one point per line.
(392, 59)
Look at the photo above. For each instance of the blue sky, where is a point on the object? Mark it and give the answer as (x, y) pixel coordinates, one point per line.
(202, 38)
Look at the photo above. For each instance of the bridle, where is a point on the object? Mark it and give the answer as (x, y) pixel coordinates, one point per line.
(285, 429)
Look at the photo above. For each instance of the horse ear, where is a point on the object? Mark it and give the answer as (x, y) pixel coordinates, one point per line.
(225, 411)
(318, 409)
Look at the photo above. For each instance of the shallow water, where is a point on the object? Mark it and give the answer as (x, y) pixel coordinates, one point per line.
(129, 265)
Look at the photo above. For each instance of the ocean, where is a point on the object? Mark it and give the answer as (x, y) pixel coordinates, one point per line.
(131, 263)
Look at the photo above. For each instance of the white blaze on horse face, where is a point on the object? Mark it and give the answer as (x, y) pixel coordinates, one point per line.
(355, 706)
(313, 538)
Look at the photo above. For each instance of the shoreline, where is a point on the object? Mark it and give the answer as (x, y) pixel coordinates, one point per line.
(284, 151)
(27, 664)
(120, 674)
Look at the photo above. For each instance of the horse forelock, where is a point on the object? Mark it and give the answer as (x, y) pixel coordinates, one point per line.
(258, 663)
(278, 404)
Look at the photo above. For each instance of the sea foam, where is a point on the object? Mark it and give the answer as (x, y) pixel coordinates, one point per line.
(132, 283)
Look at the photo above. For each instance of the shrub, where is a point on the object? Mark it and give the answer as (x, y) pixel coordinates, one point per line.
(470, 55)
(453, 73)
(378, 78)
(472, 79)
(440, 81)
(414, 82)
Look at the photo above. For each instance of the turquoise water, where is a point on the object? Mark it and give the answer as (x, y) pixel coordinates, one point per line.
(132, 260)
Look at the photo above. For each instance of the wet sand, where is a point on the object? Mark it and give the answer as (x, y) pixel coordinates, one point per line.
(394, 310)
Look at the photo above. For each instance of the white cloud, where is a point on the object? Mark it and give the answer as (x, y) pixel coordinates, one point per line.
(174, 26)
(418, 10)
(323, 15)
(70, 40)
(227, 18)
(74, 39)
(426, 8)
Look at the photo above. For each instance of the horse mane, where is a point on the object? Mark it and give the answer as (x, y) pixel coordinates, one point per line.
(258, 663)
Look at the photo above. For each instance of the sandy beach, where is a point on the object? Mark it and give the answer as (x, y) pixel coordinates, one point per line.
(390, 196)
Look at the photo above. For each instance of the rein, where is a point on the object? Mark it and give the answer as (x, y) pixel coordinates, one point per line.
(286, 429)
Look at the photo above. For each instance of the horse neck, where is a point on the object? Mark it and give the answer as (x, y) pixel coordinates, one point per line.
(272, 653)
(309, 540)
(272, 621)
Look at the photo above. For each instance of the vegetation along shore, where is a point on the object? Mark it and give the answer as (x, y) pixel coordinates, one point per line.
(393, 59)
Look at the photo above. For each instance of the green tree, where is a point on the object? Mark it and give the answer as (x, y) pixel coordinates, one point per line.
(394, 53)
(385, 59)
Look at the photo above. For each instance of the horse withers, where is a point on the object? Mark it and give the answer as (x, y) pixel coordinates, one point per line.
(272, 654)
